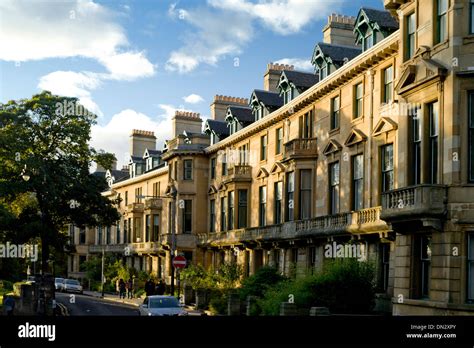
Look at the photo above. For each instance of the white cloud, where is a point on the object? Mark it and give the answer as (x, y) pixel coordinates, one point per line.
(113, 136)
(73, 84)
(193, 99)
(181, 62)
(299, 64)
(39, 30)
(36, 30)
(282, 16)
(228, 25)
(216, 34)
(128, 66)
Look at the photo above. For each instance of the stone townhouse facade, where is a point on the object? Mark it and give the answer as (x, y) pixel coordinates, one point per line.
(374, 149)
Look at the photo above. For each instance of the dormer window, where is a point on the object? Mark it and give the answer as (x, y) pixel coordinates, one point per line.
(288, 95)
(323, 71)
(138, 169)
(258, 113)
(372, 24)
(233, 126)
(149, 163)
(368, 40)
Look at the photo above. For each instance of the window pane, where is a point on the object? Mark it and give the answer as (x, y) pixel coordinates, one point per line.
(291, 182)
(472, 17)
(411, 23)
(359, 91)
(305, 179)
(242, 209)
(442, 6)
(305, 194)
(263, 201)
(290, 188)
(470, 248)
(358, 167)
(388, 75)
(335, 173)
(471, 281)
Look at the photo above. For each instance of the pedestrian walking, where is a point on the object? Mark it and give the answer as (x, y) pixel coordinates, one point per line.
(150, 287)
(122, 288)
(160, 288)
(129, 288)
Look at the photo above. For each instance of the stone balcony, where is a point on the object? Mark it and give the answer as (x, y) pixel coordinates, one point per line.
(183, 240)
(135, 208)
(425, 204)
(154, 203)
(301, 148)
(146, 247)
(358, 222)
(108, 248)
(393, 4)
(238, 173)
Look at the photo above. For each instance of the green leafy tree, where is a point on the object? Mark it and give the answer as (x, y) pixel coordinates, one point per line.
(45, 182)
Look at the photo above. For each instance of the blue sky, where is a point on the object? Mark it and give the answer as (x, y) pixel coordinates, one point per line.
(134, 62)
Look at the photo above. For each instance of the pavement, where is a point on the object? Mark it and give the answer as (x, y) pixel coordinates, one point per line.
(115, 298)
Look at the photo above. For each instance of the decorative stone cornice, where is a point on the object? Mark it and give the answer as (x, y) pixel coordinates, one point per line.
(228, 99)
(143, 133)
(187, 114)
(279, 67)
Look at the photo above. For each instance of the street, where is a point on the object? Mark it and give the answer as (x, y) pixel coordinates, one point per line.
(87, 305)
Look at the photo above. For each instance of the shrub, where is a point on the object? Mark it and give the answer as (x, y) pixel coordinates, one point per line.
(344, 286)
(139, 293)
(6, 285)
(218, 302)
(258, 283)
(196, 276)
(347, 286)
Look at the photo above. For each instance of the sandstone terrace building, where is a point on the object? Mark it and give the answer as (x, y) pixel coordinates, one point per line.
(375, 148)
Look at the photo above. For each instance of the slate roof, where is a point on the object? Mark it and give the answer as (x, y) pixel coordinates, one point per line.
(154, 153)
(301, 79)
(337, 53)
(383, 18)
(271, 100)
(119, 174)
(219, 127)
(137, 159)
(242, 113)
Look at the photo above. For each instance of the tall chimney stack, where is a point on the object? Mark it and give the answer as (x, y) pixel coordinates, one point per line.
(220, 104)
(339, 30)
(272, 76)
(141, 140)
(190, 122)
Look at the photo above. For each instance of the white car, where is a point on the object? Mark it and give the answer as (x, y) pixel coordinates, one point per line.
(72, 285)
(59, 284)
(158, 305)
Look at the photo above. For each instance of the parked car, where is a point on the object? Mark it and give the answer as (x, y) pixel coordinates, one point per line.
(72, 285)
(159, 305)
(59, 284)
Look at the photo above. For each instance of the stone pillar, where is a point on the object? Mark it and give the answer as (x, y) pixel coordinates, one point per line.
(316, 311)
(233, 304)
(252, 262)
(188, 295)
(250, 303)
(288, 309)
